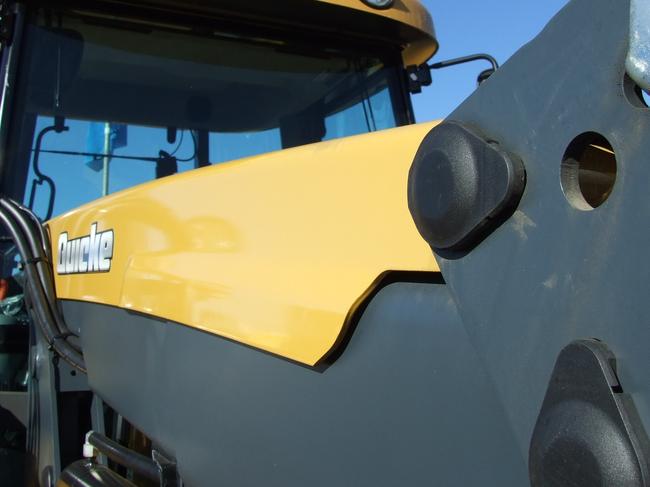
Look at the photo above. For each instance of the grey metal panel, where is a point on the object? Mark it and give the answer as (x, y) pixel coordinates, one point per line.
(43, 428)
(70, 379)
(16, 403)
(407, 403)
(553, 273)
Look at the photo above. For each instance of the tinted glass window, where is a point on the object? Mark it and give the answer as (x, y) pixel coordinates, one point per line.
(374, 112)
(105, 105)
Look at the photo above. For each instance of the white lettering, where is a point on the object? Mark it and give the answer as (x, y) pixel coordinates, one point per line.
(60, 261)
(69, 257)
(106, 250)
(84, 246)
(75, 255)
(90, 253)
(93, 265)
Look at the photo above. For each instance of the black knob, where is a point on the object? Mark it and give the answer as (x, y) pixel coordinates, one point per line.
(462, 187)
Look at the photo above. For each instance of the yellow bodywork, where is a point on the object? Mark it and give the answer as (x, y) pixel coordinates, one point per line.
(272, 251)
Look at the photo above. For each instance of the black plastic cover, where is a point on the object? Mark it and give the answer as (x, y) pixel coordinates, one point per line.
(461, 187)
(588, 432)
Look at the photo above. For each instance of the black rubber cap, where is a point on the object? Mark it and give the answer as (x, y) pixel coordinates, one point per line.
(588, 432)
(461, 187)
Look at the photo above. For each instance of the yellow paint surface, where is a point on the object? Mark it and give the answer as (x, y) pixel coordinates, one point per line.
(271, 251)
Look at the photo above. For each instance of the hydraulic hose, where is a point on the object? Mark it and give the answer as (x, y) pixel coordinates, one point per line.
(44, 309)
(39, 243)
(28, 229)
(124, 456)
(84, 473)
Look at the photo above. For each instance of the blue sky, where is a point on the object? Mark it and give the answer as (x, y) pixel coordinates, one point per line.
(468, 26)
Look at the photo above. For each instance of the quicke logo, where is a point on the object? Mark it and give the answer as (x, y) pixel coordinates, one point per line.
(90, 253)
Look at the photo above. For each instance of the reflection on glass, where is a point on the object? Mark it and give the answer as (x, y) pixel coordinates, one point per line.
(119, 104)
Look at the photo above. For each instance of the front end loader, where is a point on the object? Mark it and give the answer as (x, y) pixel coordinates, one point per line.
(231, 257)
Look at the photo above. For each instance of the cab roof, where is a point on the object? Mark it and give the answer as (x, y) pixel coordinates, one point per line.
(406, 24)
(415, 21)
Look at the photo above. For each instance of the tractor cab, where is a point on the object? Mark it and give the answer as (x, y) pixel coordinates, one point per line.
(109, 96)
(101, 96)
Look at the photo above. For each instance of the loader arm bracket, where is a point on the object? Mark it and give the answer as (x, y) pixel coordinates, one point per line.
(556, 272)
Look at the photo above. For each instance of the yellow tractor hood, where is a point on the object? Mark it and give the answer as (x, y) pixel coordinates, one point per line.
(273, 251)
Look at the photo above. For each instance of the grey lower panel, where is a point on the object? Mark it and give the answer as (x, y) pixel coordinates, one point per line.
(408, 402)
